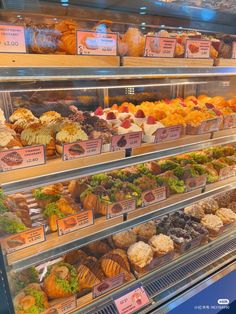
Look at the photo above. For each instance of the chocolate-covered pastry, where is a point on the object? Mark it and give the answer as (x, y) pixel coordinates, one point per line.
(179, 236)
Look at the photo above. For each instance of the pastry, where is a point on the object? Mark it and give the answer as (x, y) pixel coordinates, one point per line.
(19, 280)
(128, 127)
(213, 223)
(49, 117)
(136, 42)
(140, 255)
(139, 117)
(223, 199)
(195, 210)
(10, 224)
(67, 29)
(149, 129)
(89, 274)
(21, 118)
(76, 188)
(232, 206)
(114, 263)
(96, 199)
(2, 117)
(75, 257)
(97, 248)
(209, 205)
(161, 244)
(226, 215)
(32, 299)
(180, 237)
(60, 281)
(67, 206)
(123, 240)
(46, 195)
(145, 231)
(8, 138)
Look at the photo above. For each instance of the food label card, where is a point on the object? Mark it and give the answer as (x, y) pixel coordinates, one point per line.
(65, 306)
(159, 47)
(23, 239)
(22, 158)
(81, 149)
(230, 121)
(120, 208)
(210, 125)
(12, 39)
(153, 196)
(197, 49)
(234, 50)
(96, 44)
(226, 172)
(170, 133)
(158, 261)
(75, 222)
(107, 285)
(131, 300)
(195, 183)
(125, 141)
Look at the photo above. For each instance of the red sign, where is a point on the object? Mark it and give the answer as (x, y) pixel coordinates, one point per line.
(125, 141)
(81, 149)
(94, 43)
(195, 183)
(160, 47)
(63, 307)
(132, 300)
(197, 49)
(107, 285)
(170, 133)
(23, 239)
(12, 39)
(120, 208)
(22, 158)
(153, 196)
(75, 222)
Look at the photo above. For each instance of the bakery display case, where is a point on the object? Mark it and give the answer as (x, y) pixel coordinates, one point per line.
(117, 163)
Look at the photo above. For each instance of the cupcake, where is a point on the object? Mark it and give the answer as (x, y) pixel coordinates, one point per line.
(38, 134)
(124, 239)
(161, 244)
(213, 223)
(139, 117)
(195, 210)
(226, 215)
(149, 129)
(209, 205)
(69, 133)
(140, 255)
(128, 127)
(145, 231)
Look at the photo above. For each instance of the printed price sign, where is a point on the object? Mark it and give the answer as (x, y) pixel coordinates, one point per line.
(65, 306)
(197, 49)
(12, 39)
(153, 196)
(120, 208)
(158, 261)
(159, 47)
(96, 44)
(23, 239)
(230, 121)
(22, 158)
(226, 172)
(131, 300)
(107, 285)
(75, 222)
(234, 50)
(195, 183)
(170, 133)
(210, 125)
(125, 141)
(81, 149)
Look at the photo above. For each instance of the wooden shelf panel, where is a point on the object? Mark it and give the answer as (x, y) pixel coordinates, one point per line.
(222, 133)
(225, 62)
(218, 184)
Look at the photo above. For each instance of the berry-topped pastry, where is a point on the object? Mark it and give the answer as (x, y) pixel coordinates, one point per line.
(124, 113)
(139, 117)
(149, 128)
(112, 119)
(99, 113)
(128, 127)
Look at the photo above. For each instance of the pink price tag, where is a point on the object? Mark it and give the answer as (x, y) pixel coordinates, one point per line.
(198, 49)
(107, 285)
(234, 50)
(153, 196)
(120, 208)
(170, 133)
(96, 44)
(125, 141)
(159, 47)
(81, 149)
(12, 39)
(132, 300)
(22, 158)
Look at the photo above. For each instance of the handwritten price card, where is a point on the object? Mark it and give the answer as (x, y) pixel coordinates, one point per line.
(23, 239)
(198, 49)
(96, 44)
(125, 141)
(22, 158)
(12, 39)
(170, 133)
(65, 306)
(107, 285)
(81, 149)
(159, 47)
(120, 208)
(131, 300)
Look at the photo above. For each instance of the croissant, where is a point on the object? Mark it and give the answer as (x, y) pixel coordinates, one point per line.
(116, 262)
(75, 257)
(76, 188)
(97, 248)
(89, 273)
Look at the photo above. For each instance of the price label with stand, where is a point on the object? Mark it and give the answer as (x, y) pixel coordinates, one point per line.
(107, 285)
(120, 208)
(12, 39)
(65, 306)
(92, 43)
(198, 49)
(195, 183)
(153, 196)
(126, 141)
(23, 239)
(22, 158)
(170, 133)
(159, 47)
(131, 300)
(82, 149)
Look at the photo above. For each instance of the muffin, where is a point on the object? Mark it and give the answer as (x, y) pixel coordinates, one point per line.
(140, 255)
(226, 215)
(161, 244)
(145, 231)
(209, 205)
(232, 206)
(195, 210)
(223, 199)
(123, 240)
(213, 223)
